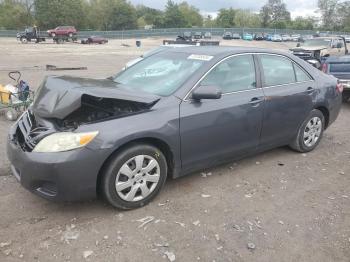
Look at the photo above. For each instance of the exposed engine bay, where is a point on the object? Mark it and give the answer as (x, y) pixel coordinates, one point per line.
(94, 109)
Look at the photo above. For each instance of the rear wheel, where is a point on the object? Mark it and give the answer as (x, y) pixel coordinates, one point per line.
(310, 132)
(134, 176)
(70, 35)
(53, 34)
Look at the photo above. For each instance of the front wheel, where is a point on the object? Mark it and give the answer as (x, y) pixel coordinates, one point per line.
(310, 132)
(134, 176)
(24, 40)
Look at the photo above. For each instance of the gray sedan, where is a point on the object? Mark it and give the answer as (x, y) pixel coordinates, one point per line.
(173, 113)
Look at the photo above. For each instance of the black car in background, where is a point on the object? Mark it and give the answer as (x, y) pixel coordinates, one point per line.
(339, 67)
(172, 113)
(259, 36)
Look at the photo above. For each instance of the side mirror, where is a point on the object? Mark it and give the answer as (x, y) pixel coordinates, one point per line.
(207, 92)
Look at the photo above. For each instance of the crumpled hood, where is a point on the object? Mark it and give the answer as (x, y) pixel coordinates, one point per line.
(58, 96)
(308, 48)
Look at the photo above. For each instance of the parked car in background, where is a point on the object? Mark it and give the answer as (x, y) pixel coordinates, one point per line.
(94, 40)
(68, 31)
(276, 38)
(227, 35)
(317, 50)
(187, 35)
(247, 36)
(268, 37)
(347, 38)
(286, 38)
(259, 36)
(295, 37)
(164, 108)
(197, 35)
(207, 35)
(236, 36)
(339, 67)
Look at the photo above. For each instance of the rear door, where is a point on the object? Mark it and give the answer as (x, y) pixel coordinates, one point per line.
(212, 130)
(289, 93)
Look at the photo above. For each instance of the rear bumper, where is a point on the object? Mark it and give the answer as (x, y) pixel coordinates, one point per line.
(63, 176)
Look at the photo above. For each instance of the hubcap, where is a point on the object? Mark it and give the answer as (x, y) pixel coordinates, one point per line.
(137, 178)
(312, 131)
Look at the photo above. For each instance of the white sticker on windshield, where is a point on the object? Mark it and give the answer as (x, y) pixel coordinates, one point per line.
(201, 57)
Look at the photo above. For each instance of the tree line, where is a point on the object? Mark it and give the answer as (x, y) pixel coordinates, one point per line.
(122, 15)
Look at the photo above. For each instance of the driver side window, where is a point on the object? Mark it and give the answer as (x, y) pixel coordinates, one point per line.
(234, 74)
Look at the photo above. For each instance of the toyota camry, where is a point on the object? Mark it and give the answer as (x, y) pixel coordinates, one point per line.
(170, 114)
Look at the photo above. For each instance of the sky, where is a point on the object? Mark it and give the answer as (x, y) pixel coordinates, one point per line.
(296, 7)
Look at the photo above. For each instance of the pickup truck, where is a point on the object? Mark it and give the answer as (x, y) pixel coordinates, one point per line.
(317, 50)
(339, 67)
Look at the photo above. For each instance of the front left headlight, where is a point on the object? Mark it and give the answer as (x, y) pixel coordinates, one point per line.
(64, 141)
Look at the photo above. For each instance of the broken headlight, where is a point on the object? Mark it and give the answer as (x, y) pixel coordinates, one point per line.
(64, 141)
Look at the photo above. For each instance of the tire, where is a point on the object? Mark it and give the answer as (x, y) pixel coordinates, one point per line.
(312, 127)
(24, 40)
(70, 35)
(134, 185)
(53, 34)
(346, 97)
(11, 114)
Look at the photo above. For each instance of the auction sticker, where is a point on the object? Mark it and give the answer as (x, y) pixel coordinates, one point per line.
(201, 57)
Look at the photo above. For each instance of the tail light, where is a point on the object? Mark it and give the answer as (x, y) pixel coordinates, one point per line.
(324, 68)
(339, 87)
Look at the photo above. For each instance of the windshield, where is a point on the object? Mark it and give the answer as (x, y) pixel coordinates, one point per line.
(317, 42)
(160, 74)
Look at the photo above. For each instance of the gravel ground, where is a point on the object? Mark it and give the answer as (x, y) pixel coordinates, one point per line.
(276, 206)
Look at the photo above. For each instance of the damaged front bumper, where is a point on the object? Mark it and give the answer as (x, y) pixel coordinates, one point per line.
(61, 176)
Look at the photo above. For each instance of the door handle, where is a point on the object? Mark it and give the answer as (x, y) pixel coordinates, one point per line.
(310, 90)
(255, 101)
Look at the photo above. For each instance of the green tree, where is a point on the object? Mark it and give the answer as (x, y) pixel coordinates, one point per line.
(275, 14)
(245, 18)
(344, 15)
(226, 18)
(52, 13)
(149, 15)
(191, 14)
(111, 15)
(328, 10)
(301, 23)
(173, 17)
(14, 15)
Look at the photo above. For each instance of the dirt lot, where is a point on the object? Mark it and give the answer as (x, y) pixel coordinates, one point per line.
(284, 205)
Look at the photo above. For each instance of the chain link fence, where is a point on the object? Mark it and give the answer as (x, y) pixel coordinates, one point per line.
(172, 32)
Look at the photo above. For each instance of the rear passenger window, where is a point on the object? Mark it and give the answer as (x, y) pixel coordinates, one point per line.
(300, 74)
(277, 70)
(234, 74)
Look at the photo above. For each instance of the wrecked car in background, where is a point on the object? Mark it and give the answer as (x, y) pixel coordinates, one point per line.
(170, 114)
(316, 50)
(339, 67)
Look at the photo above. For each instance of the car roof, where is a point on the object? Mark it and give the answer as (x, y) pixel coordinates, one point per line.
(221, 51)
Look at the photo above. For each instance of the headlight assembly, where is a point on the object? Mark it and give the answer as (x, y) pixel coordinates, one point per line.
(64, 141)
